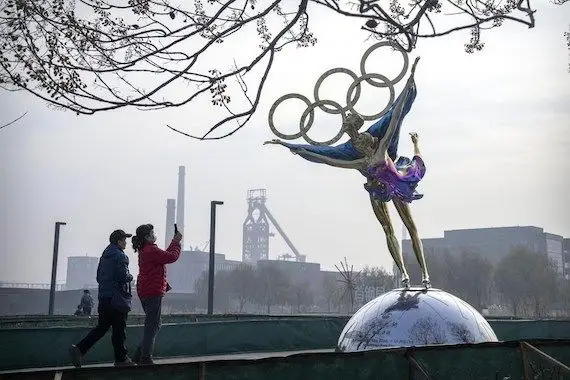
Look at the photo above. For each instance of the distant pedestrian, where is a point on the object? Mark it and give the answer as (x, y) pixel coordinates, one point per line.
(152, 284)
(115, 296)
(86, 302)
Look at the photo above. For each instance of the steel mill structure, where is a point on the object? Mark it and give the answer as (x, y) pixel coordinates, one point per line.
(256, 230)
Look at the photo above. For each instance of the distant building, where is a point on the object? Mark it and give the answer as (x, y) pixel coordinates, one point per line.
(554, 251)
(182, 274)
(566, 257)
(494, 243)
(331, 275)
(81, 272)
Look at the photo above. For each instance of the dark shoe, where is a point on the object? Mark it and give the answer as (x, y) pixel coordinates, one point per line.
(125, 363)
(147, 361)
(75, 356)
(137, 355)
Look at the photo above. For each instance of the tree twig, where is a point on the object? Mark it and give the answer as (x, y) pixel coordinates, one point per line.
(13, 121)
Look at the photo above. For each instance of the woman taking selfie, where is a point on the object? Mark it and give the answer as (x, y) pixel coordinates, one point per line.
(152, 284)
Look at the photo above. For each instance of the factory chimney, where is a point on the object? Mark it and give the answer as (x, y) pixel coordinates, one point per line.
(180, 200)
(170, 220)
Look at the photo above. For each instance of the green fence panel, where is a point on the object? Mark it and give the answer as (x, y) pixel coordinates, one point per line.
(365, 366)
(40, 347)
(471, 363)
(482, 361)
(31, 348)
(247, 336)
(135, 319)
(529, 329)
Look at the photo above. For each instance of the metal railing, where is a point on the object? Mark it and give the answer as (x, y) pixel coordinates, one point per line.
(30, 285)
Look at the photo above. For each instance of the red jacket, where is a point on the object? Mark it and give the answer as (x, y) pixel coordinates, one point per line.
(151, 281)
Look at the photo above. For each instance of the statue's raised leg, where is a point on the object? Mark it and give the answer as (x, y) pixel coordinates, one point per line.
(381, 211)
(405, 213)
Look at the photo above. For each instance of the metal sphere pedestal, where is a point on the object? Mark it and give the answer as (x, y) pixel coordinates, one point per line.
(414, 317)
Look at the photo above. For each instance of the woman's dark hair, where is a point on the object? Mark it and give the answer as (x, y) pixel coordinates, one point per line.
(139, 240)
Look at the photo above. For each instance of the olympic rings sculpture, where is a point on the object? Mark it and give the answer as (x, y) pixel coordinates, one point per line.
(352, 96)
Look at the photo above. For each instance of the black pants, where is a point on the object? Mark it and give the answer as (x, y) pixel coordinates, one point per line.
(86, 310)
(152, 308)
(108, 317)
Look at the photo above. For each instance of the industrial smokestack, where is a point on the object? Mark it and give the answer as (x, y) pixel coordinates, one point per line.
(170, 220)
(180, 205)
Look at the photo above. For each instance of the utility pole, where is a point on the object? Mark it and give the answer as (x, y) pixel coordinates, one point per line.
(211, 267)
(54, 266)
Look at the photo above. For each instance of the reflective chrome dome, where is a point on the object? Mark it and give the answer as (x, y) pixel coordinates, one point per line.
(414, 317)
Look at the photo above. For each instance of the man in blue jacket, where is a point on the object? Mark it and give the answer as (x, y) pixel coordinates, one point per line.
(114, 301)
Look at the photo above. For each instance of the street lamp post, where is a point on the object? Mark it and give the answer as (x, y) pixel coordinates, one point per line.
(211, 267)
(54, 266)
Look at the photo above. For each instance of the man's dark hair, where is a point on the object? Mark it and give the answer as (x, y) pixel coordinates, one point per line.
(118, 235)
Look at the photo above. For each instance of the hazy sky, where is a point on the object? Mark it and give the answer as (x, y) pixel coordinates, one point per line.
(494, 129)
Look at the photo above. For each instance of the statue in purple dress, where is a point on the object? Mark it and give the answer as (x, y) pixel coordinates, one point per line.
(373, 153)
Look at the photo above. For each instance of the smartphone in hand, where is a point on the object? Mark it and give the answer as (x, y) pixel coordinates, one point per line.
(177, 235)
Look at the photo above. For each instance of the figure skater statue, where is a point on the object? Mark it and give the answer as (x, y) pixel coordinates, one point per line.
(373, 153)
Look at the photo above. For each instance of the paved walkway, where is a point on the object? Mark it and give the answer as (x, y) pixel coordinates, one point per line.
(182, 359)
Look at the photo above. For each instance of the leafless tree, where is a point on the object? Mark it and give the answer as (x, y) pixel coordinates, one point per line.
(243, 284)
(528, 281)
(349, 279)
(97, 55)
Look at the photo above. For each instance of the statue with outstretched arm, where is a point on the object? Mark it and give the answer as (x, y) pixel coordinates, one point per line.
(373, 153)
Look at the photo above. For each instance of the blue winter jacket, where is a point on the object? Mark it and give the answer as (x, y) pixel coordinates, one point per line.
(113, 272)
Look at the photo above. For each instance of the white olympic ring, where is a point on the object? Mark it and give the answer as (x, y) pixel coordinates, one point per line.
(355, 87)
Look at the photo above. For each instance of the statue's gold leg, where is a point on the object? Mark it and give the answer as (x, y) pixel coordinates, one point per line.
(383, 216)
(405, 213)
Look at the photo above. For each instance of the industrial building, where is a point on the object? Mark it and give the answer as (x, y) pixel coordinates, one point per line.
(566, 257)
(495, 243)
(182, 274)
(256, 230)
(81, 272)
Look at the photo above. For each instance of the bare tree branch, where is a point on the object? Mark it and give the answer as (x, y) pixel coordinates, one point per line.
(90, 56)
(567, 35)
(13, 121)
